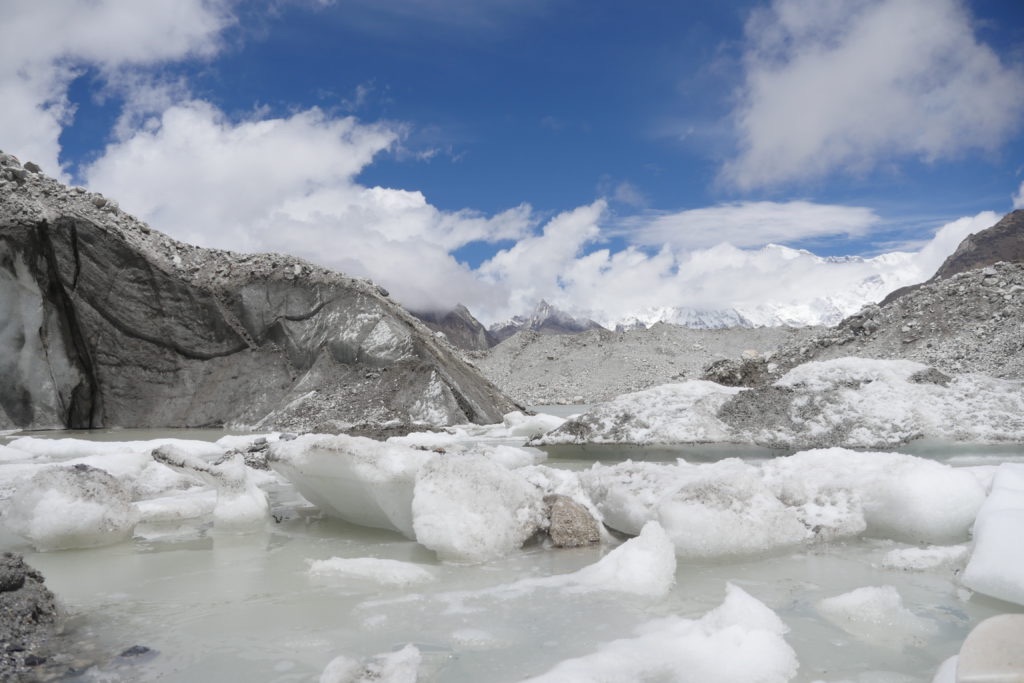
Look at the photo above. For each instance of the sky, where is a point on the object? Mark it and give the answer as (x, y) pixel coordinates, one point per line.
(616, 159)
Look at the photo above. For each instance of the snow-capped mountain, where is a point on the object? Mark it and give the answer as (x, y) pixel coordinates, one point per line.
(545, 319)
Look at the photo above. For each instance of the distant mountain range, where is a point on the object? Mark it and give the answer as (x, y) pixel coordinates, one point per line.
(1001, 242)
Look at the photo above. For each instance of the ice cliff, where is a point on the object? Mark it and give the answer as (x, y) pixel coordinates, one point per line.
(106, 322)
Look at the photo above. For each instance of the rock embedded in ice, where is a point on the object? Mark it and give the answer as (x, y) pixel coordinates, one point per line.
(876, 615)
(997, 559)
(71, 507)
(469, 509)
(741, 640)
(570, 524)
(382, 571)
(395, 667)
(356, 479)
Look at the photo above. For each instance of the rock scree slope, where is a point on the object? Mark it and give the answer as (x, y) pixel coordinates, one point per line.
(105, 322)
(969, 317)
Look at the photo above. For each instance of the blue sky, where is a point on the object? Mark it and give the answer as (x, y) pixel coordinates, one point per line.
(596, 154)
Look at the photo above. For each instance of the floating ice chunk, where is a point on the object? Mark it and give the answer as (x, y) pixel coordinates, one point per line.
(71, 507)
(903, 497)
(996, 567)
(924, 559)
(741, 640)
(728, 510)
(185, 505)
(241, 503)
(8, 454)
(521, 424)
(64, 449)
(476, 639)
(644, 565)
(356, 479)
(876, 614)
(670, 413)
(396, 667)
(381, 571)
(946, 673)
(469, 509)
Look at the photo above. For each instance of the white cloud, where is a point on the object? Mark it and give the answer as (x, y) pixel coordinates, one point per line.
(1018, 199)
(288, 185)
(45, 45)
(846, 86)
(747, 224)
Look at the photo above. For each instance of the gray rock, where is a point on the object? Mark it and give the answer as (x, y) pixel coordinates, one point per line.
(104, 322)
(570, 524)
(744, 372)
(32, 167)
(28, 618)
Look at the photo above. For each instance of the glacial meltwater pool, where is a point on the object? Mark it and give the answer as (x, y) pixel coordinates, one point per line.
(213, 605)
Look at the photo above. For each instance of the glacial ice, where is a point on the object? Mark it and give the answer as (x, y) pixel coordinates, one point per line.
(71, 507)
(850, 402)
(876, 615)
(394, 667)
(469, 509)
(360, 480)
(687, 510)
(732, 507)
(741, 640)
(670, 413)
(927, 558)
(241, 504)
(996, 563)
(380, 571)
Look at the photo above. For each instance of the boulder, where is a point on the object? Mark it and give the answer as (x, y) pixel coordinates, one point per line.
(105, 322)
(570, 524)
(28, 618)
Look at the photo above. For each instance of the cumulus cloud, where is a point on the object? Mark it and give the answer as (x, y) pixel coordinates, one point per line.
(746, 224)
(45, 45)
(767, 285)
(846, 86)
(288, 185)
(1018, 199)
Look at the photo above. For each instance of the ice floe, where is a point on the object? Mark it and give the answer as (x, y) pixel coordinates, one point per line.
(732, 507)
(380, 571)
(241, 503)
(394, 667)
(927, 558)
(850, 402)
(741, 640)
(997, 559)
(75, 506)
(469, 509)
(360, 480)
(876, 614)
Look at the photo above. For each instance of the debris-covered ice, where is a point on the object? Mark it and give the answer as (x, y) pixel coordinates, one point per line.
(849, 402)
(75, 506)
